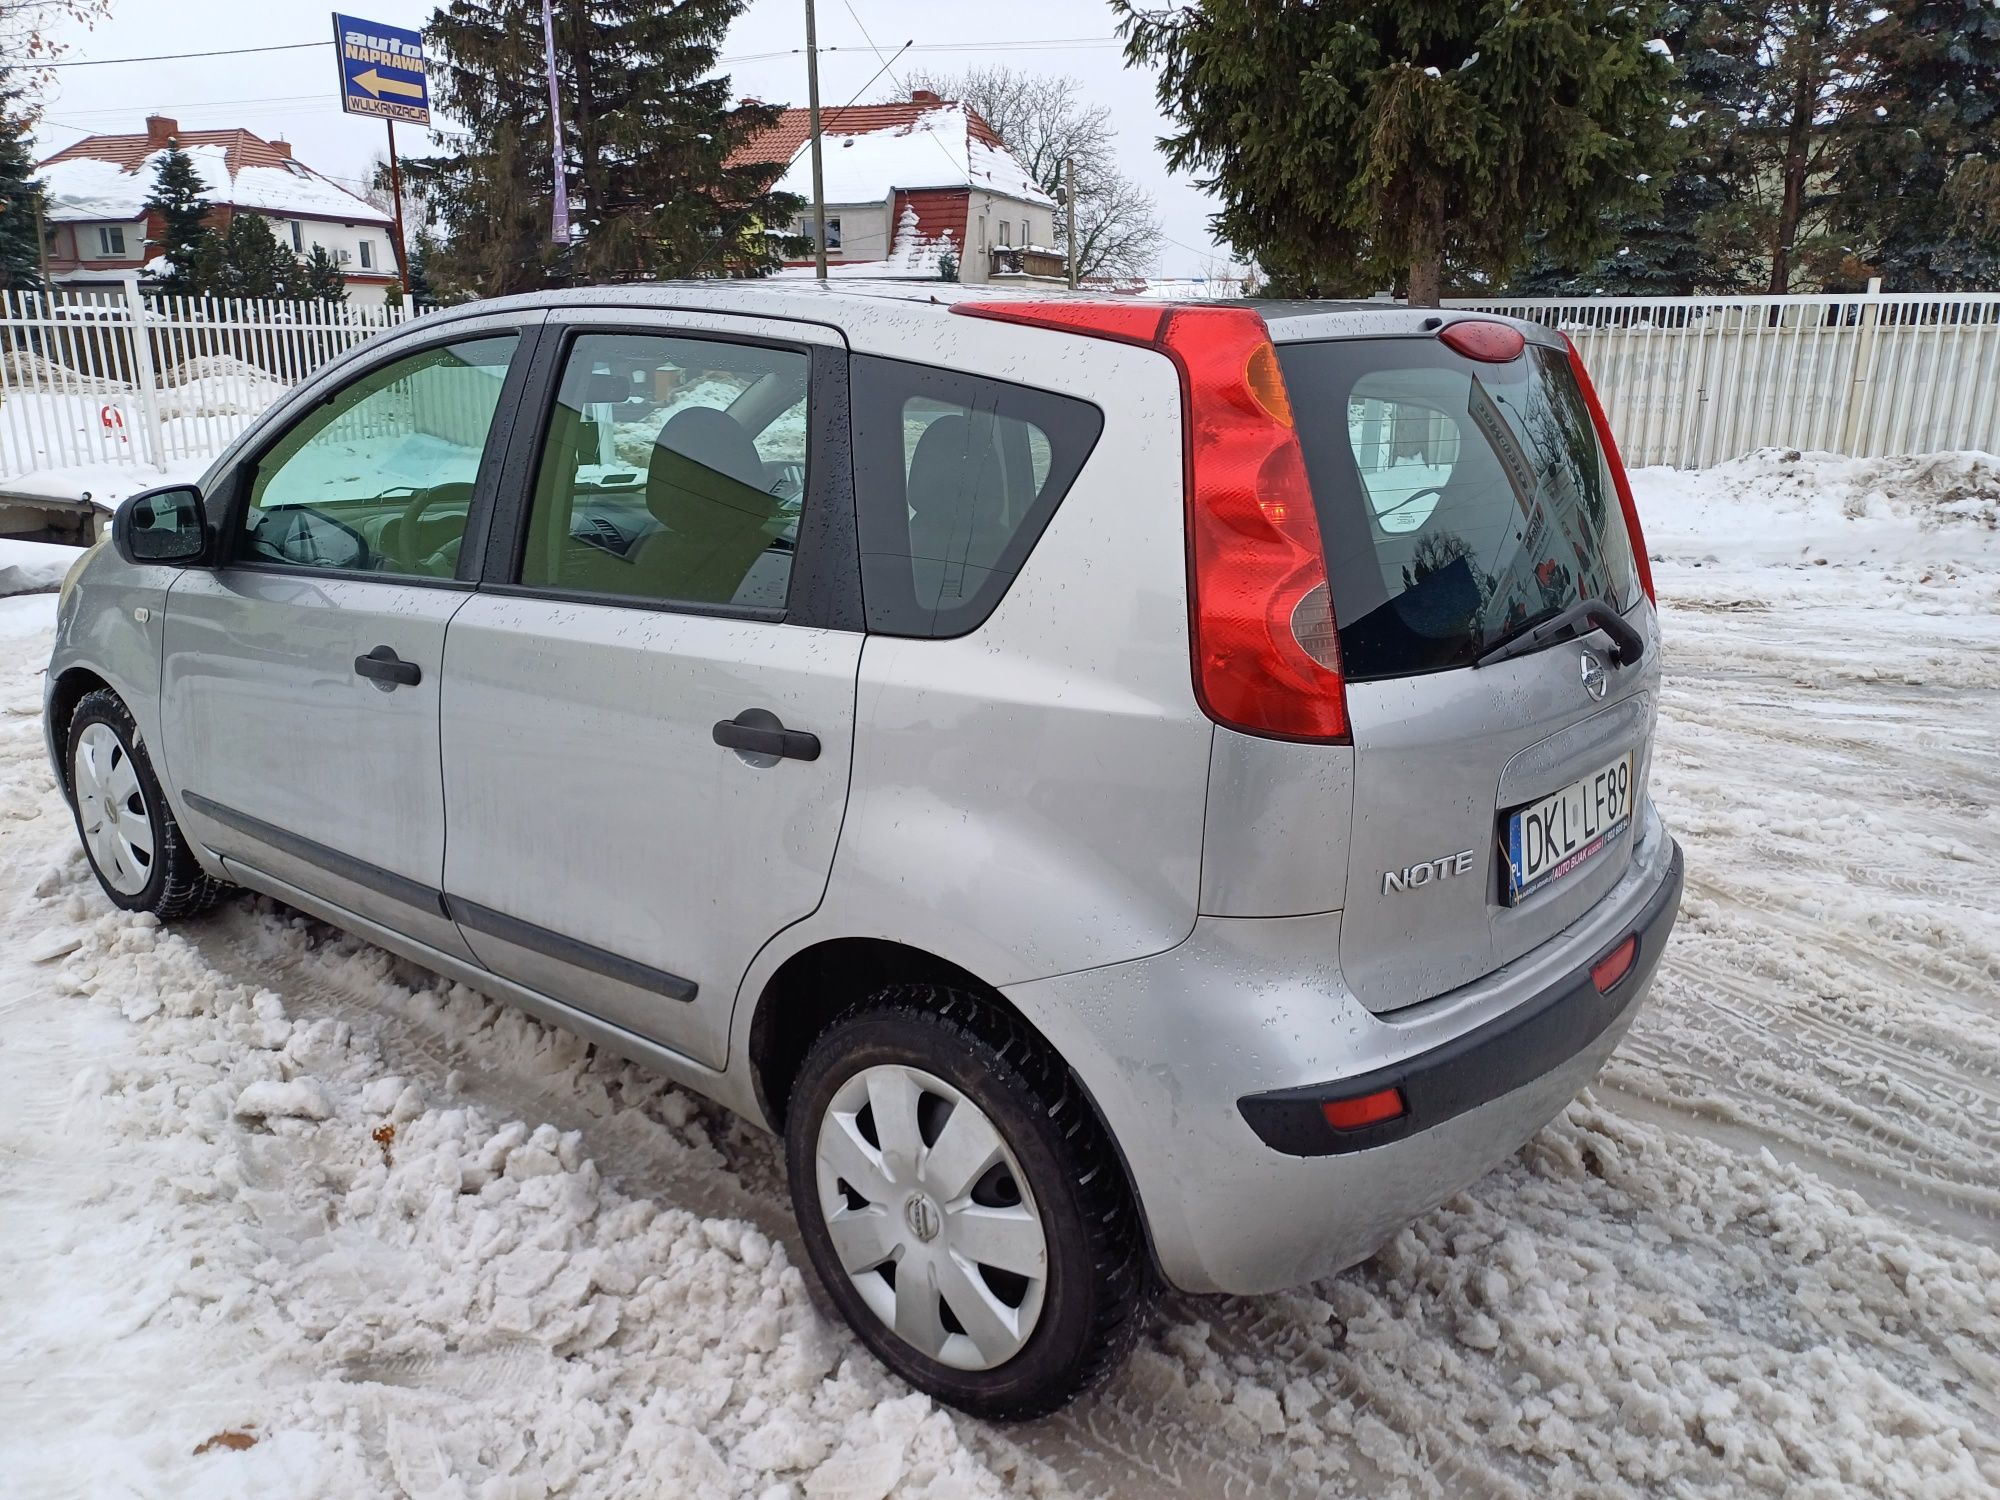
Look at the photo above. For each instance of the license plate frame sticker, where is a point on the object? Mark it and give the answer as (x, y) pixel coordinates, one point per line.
(1554, 836)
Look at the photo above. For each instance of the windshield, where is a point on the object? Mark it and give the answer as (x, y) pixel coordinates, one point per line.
(1457, 499)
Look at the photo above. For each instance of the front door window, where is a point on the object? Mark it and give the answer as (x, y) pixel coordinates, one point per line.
(380, 478)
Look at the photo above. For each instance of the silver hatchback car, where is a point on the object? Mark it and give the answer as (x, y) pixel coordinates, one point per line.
(1127, 790)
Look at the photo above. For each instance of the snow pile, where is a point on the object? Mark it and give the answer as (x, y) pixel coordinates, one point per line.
(232, 394)
(1783, 507)
(30, 370)
(33, 567)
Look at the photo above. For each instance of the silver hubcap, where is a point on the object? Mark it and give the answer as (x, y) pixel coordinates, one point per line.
(112, 810)
(931, 1217)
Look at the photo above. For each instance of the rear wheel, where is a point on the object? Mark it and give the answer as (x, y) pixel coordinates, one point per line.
(962, 1205)
(137, 850)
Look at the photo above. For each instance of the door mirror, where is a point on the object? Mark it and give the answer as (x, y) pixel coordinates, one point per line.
(161, 526)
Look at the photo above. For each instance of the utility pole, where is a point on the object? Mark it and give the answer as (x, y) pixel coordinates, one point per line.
(396, 192)
(819, 180)
(1069, 213)
(42, 249)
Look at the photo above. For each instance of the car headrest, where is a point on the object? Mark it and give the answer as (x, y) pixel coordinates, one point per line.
(955, 489)
(691, 441)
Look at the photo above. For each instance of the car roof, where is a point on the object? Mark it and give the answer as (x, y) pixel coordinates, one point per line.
(835, 302)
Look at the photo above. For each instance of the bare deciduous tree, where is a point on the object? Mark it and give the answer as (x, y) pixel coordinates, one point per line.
(29, 40)
(1046, 119)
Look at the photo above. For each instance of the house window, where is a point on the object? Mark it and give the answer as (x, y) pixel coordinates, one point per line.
(1006, 233)
(982, 231)
(298, 237)
(367, 254)
(832, 231)
(111, 239)
(1027, 231)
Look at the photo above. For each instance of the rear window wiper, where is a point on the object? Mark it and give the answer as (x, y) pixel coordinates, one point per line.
(1627, 645)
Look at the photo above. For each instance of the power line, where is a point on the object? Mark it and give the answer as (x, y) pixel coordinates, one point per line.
(903, 88)
(103, 62)
(1016, 44)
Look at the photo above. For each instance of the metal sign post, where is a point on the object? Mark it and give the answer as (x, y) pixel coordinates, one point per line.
(382, 75)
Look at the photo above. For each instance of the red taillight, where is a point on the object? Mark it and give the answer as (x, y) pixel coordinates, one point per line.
(1266, 653)
(1369, 1109)
(1475, 338)
(1614, 966)
(1619, 479)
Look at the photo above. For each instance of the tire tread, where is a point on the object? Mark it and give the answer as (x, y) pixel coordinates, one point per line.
(1120, 1265)
(187, 890)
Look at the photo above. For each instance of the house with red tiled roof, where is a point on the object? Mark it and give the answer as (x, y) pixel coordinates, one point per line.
(100, 235)
(910, 183)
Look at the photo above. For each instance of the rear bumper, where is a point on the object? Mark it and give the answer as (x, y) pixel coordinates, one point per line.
(1512, 1051)
(1210, 1063)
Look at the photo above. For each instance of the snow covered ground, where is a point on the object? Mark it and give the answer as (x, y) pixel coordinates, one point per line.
(261, 1185)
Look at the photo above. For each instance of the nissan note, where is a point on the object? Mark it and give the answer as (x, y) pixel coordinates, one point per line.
(1130, 792)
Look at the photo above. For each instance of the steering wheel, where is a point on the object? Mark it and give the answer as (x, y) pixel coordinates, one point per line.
(406, 527)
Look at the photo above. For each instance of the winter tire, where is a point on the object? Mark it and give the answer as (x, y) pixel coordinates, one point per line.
(137, 850)
(962, 1205)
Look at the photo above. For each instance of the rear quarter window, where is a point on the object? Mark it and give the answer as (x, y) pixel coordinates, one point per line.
(955, 477)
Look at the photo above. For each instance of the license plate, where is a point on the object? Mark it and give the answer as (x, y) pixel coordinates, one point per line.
(1552, 838)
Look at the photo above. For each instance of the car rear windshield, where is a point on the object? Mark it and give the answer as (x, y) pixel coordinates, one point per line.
(1458, 500)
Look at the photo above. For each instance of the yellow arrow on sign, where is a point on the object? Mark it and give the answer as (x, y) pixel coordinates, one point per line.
(377, 85)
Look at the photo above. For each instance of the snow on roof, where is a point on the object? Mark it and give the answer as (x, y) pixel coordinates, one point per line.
(871, 151)
(104, 177)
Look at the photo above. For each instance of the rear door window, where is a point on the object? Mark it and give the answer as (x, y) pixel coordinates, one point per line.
(674, 472)
(955, 478)
(1458, 500)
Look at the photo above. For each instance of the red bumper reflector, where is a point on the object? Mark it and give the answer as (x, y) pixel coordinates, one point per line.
(1615, 965)
(1369, 1109)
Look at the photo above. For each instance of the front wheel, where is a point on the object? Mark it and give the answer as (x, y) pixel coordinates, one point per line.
(962, 1205)
(137, 850)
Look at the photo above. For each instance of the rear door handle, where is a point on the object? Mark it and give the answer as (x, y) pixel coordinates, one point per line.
(758, 731)
(388, 670)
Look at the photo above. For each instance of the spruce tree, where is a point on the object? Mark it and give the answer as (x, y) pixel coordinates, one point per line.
(1902, 195)
(246, 260)
(20, 237)
(423, 248)
(1703, 235)
(648, 127)
(179, 197)
(1370, 144)
(323, 281)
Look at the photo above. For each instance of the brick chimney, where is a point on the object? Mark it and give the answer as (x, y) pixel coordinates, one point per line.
(160, 130)
(283, 148)
(924, 96)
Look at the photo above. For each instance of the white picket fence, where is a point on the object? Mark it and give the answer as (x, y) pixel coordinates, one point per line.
(130, 379)
(1694, 381)
(1687, 381)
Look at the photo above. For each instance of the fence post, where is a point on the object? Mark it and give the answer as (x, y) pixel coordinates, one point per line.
(144, 377)
(1862, 386)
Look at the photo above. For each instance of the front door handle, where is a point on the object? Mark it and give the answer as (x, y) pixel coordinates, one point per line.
(758, 731)
(388, 670)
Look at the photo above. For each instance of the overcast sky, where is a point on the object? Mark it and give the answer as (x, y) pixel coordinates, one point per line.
(292, 94)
